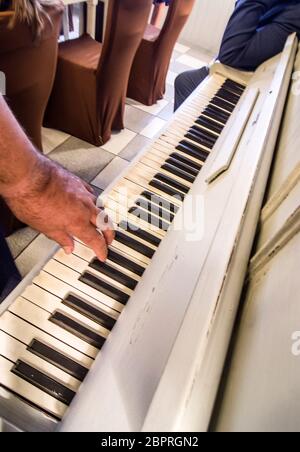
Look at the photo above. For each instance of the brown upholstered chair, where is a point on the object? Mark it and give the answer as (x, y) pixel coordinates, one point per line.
(29, 67)
(89, 93)
(147, 81)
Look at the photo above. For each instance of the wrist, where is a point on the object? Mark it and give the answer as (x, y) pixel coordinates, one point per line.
(35, 180)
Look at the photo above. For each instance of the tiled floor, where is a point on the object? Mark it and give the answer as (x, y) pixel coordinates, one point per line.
(100, 166)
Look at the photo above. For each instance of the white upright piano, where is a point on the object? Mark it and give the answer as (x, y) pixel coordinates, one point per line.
(141, 343)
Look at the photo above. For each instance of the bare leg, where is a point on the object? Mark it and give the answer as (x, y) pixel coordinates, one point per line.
(157, 14)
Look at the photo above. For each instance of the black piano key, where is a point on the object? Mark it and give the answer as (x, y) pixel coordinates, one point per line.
(42, 381)
(166, 189)
(212, 115)
(114, 274)
(193, 151)
(186, 161)
(104, 287)
(140, 233)
(182, 166)
(205, 133)
(209, 124)
(77, 329)
(151, 219)
(226, 91)
(172, 182)
(232, 90)
(134, 244)
(156, 210)
(125, 263)
(235, 85)
(222, 104)
(90, 311)
(225, 94)
(228, 105)
(155, 199)
(200, 138)
(59, 360)
(219, 112)
(178, 172)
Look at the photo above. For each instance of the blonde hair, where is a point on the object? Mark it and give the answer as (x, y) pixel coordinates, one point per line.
(31, 12)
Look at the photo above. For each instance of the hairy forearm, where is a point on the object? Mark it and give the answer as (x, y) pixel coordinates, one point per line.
(45, 196)
(21, 166)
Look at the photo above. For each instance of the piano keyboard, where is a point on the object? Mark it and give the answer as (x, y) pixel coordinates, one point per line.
(51, 334)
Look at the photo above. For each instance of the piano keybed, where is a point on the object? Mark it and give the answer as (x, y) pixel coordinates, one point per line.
(51, 334)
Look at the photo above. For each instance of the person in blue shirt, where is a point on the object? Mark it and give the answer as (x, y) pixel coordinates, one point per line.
(256, 31)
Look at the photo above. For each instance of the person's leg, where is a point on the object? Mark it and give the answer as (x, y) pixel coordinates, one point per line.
(186, 83)
(157, 14)
(9, 275)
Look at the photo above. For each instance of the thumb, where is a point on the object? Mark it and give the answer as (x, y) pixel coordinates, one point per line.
(64, 240)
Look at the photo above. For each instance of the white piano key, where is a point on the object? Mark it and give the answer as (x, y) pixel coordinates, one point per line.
(119, 247)
(79, 265)
(175, 139)
(160, 157)
(130, 254)
(70, 277)
(117, 196)
(51, 303)
(154, 162)
(184, 125)
(130, 233)
(143, 185)
(121, 205)
(162, 150)
(194, 111)
(119, 213)
(143, 181)
(182, 128)
(28, 391)
(162, 171)
(136, 222)
(144, 173)
(13, 350)
(26, 333)
(190, 118)
(88, 255)
(218, 122)
(40, 318)
(165, 147)
(61, 289)
(84, 254)
(130, 188)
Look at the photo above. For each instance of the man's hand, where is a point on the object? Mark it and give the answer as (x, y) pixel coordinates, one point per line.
(60, 205)
(45, 196)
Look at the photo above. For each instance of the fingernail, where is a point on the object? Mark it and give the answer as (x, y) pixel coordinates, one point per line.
(68, 249)
(103, 221)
